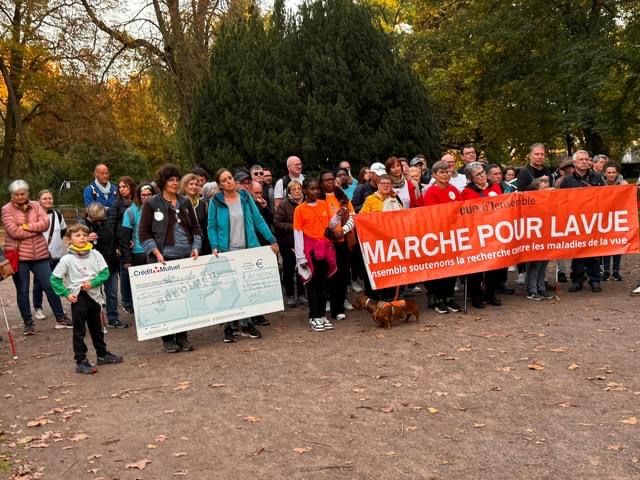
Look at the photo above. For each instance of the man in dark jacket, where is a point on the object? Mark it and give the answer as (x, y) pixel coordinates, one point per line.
(580, 178)
(535, 169)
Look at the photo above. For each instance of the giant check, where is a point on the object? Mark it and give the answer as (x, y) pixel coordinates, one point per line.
(181, 295)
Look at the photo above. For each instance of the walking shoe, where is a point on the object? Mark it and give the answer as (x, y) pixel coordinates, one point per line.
(576, 287)
(341, 316)
(229, 337)
(184, 344)
(535, 296)
(347, 306)
(64, 322)
(109, 358)
(355, 286)
(562, 277)
(39, 314)
(477, 303)
(302, 300)
(86, 368)
(261, 320)
(595, 287)
(520, 279)
(505, 290)
(127, 309)
(546, 295)
(493, 300)
(452, 305)
(170, 346)
(616, 276)
(636, 291)
(606, 276)
(118, 324)
(250, 331)
(29, 330)
(317, 324)
(441, 307)
(327, 324)
(291, 302)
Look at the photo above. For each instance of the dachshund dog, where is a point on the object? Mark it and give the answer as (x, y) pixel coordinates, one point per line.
(384, 313)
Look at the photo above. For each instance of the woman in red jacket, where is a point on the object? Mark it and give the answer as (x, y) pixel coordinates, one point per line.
(24, 222)
(480, 186)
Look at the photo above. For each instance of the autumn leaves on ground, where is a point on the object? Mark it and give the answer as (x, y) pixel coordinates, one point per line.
(529, 390)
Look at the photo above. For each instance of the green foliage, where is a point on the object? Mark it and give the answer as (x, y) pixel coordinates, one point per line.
(326, 86)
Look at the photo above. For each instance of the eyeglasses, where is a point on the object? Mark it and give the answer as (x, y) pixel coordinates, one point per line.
(480, 173)
(258, 174)
(145, 195)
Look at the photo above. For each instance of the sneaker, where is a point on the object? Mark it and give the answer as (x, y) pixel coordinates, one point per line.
(86, 368)
(520, 279)
(251, 331)
(595, 287)
(109, 358)
(546, 295)
(291, 302)
(127, 309)
(302, 300)
(636, 291)
(606, 276)
(170, 346)
(64, 322)
(317, 324)
(477, 303)
(576, 287)
(355, 286)
(495, 301)
(184, 344)
(261, 320)
(347, 306)
(535, 297)
(562, 277)
(452, 305)
(432, 301)
(441, 307)
(616, 276)
(416, 289)
(29, 330)
(327, 324)
(327, 307)
(118, 324)
(39, 314)
(229, 337)
(341, 316)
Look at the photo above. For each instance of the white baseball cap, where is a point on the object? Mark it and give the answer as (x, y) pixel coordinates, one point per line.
(378, 169)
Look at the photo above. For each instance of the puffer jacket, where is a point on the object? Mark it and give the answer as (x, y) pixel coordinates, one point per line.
(33, 245)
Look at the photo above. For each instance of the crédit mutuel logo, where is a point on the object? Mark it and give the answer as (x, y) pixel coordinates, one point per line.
(156, 269)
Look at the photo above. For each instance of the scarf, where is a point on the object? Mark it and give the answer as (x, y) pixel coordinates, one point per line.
(80, 251)
(398, 182)
(105, 190)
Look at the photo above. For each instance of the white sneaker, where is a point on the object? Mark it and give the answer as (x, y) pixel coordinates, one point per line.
(356, 287)
(348, 306)
(39, 314)
(326, 323)
(636, 291)
(327, 308)
(316, 324)
(341, 316)
(520, 280)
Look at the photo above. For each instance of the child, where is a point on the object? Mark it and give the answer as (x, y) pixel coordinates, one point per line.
(78, 277)
(536, 289)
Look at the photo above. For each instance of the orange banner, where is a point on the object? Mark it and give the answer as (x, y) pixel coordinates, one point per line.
(458, 238)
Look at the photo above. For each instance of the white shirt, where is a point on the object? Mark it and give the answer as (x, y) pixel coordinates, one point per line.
(57, 247)
(279, 189)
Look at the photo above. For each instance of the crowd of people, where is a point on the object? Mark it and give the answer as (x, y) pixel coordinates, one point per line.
(307, 220)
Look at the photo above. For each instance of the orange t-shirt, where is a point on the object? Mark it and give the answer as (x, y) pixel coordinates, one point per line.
(312, 220)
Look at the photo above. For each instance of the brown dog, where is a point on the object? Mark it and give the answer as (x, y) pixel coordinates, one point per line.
(384, 313)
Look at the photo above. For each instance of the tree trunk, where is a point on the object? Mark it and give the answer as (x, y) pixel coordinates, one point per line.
(594, 142)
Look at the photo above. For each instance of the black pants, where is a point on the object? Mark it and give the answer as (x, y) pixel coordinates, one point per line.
(491, 279)
(86, 312)
(337, 284)
(317, 289)
(442, 288)
(357, 264)
(289, 274)
(592, 267)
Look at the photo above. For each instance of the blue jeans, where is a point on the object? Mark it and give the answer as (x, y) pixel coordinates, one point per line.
(22, 278)
(37, 289)
(111, 294)
(125, 288)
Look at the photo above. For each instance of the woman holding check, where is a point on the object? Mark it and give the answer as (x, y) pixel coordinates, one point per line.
(234, 223)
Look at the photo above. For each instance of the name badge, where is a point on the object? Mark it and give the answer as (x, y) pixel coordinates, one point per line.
(158, 216)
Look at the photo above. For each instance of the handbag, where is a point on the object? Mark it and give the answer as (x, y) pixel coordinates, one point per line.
(13, 257)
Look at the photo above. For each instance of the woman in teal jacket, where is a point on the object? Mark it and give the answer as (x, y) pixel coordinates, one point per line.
(234, 223)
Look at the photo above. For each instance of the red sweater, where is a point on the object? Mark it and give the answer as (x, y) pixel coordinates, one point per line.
(471, 191)
(436, 195)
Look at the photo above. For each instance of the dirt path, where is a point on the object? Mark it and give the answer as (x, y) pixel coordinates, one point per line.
(529, 390)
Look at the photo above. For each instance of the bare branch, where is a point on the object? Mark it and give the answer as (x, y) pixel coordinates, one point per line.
(113, 59)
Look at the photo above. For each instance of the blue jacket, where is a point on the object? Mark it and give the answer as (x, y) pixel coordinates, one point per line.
(93, 194)
(218, 225)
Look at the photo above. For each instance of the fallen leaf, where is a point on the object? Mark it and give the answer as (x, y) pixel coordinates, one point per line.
(565, 405)
(380, 336)
(140, 464)
(217, 385)
(93, 470)
(151, 446)
(252, 419)
(387, 409)
(94, 456)
(38, 445)
(170, 411)
(615, 387)
(38, 422)
(411, 429)
(417, 408)
(433, 410)
(180, 454)
(391, 454)
(630, 421)
(161, 438)
(573, 366)
(504, 369)
(615, 448)
(302, 450)
(464, 349)
(479, 425)
(183, 385)
(558, 350)
(359, 390)
(539, 366)
(180, 473)
(259, 451)
(79, 436)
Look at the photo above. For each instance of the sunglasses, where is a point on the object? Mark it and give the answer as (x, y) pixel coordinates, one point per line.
(258, 174)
